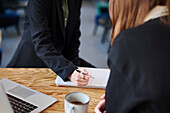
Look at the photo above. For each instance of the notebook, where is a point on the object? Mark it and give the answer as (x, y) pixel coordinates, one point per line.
(100, 75)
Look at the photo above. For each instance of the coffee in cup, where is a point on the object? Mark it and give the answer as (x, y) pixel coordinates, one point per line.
(76, 102)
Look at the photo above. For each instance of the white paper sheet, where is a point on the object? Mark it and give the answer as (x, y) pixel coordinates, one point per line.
(100, 75)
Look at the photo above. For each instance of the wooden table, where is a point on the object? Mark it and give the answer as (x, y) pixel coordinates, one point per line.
(42, 80)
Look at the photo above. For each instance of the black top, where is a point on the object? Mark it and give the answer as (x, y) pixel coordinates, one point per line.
(45, 41)
(140, 70)
(1, 7)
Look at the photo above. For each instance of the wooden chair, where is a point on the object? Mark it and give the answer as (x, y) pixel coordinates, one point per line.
(102, 19)
(8, 18)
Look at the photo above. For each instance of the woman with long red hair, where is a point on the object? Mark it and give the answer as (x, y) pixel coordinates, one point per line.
(139, 58)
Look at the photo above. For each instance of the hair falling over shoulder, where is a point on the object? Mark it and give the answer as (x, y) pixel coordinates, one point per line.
(125, 14)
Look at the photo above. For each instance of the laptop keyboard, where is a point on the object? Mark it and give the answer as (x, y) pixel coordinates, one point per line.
(20, 106)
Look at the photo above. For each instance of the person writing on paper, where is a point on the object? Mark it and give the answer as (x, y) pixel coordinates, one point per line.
(51, 39)
(139, 58)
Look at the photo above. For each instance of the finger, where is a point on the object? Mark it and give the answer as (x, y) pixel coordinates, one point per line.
(81, 84)
(101, 105)
(82, 81)
(97, 110)
(104, 111)
(85, 71)
(84, 77)
(87, 77)
(103, 96)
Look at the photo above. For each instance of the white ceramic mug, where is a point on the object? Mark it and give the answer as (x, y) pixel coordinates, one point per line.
(76, 102)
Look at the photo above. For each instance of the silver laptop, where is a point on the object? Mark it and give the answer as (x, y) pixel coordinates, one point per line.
(16, 98)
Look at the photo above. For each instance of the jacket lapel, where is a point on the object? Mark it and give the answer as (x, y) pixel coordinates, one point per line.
(72, 8)
(60, 16)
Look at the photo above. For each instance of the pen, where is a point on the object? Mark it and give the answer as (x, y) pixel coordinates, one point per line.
(84, 74)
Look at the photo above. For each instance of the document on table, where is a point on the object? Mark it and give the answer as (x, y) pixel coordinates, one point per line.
(100, 75)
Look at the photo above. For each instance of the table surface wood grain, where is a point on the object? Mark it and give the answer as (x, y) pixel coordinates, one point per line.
(43, 80)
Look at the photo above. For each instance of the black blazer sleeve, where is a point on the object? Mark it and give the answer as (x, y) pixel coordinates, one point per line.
(40, 36)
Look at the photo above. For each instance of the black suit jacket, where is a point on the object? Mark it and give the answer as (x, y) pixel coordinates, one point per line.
(140, 70)
(45, 41)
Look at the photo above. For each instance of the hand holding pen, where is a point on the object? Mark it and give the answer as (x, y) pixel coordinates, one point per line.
(84, 74)
(80, 77)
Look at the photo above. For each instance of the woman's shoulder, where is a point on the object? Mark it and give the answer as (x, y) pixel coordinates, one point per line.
(153, 28)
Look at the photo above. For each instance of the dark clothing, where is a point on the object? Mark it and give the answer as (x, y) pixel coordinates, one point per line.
(140, 70)
(1, 7)
(46, 42)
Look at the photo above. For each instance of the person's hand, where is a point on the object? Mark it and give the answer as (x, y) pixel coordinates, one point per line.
(78, 78)
(100, 108)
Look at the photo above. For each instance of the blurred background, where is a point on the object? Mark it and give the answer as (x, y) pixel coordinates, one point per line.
(95, 29)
